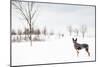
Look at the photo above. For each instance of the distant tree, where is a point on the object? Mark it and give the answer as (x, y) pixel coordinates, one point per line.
(59, 35)
(62, 35)
(37, 32)
(51, 33)
(44, 31)
(76, 31)
(13, 32)
(20, 33)
(26, 32)
(70, 30)
(83, 30)
(32, 31)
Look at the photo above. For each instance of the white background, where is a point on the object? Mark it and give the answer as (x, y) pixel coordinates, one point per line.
(5, 33)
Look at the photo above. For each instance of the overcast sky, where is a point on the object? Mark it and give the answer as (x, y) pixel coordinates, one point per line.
(58, 16)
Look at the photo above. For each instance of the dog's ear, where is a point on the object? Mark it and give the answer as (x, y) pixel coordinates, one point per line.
(76, 39)
(73, 39)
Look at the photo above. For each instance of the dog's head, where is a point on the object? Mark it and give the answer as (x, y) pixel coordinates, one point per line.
(74, 40)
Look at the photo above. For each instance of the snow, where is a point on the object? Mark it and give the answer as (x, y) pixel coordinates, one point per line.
(53, 50)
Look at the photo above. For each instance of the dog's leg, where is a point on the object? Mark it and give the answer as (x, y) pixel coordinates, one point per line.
(77, 52)
(87, 51)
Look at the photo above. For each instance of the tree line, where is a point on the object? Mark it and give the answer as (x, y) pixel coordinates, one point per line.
(82, 30)
(27, 32)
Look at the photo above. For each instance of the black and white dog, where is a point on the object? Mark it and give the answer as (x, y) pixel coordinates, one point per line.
(78, 46)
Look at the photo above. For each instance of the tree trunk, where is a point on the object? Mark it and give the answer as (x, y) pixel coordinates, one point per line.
(77, 33)
(30, 35)
(25, 36)
(20, 37)
(83, 35)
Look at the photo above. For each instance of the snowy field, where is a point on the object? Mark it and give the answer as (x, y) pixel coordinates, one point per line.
(53, 50)
(49, 25)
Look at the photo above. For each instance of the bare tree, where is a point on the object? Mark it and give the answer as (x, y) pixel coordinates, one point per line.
(13, 32)
(19, 33)
(37, 32)
(83, 30)
(52, 33)
(45, 31)
(70, 30)
(26, 32)
(27, 10)
(76, 31)
(32, 30)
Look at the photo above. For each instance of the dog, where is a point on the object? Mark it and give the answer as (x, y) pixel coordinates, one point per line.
(79, 46)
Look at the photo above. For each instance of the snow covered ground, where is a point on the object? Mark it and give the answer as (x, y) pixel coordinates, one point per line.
(53, 50)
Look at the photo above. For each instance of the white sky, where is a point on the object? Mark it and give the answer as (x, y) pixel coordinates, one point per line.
(56, 17)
